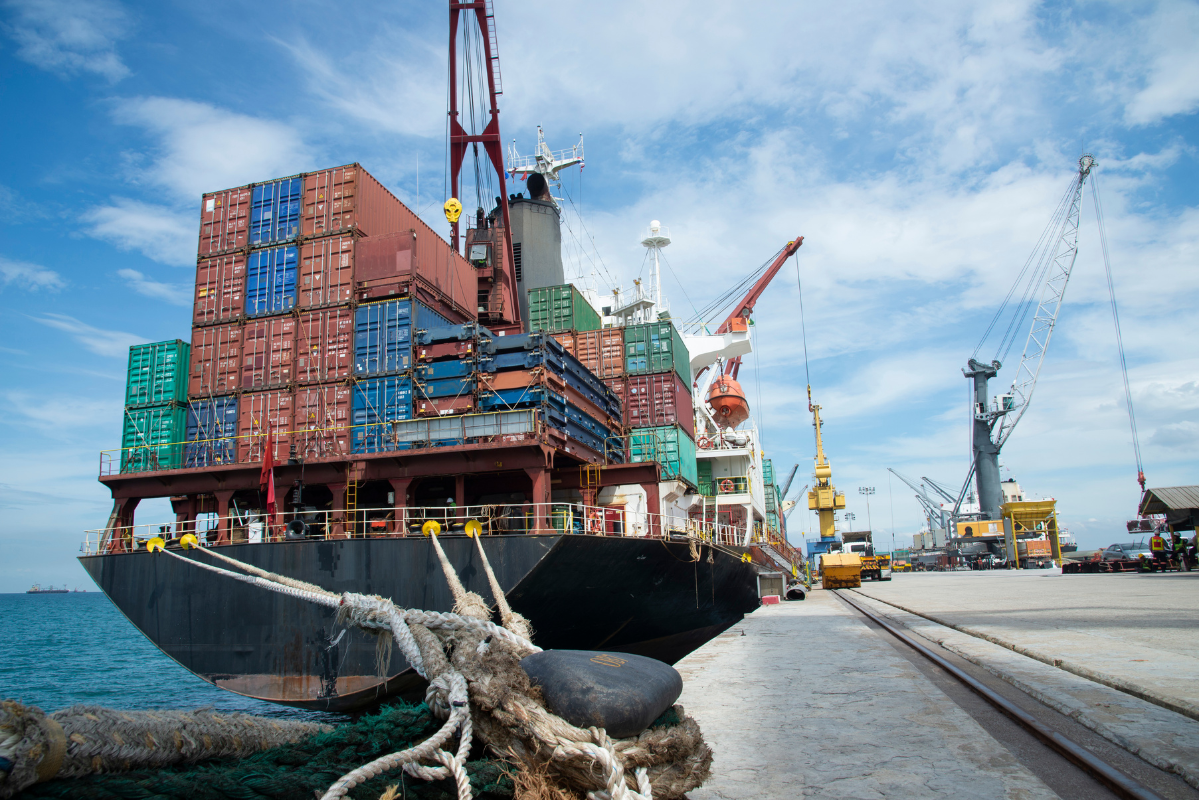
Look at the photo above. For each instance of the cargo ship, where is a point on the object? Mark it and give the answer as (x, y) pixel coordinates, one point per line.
(37, 589)
(355, 381)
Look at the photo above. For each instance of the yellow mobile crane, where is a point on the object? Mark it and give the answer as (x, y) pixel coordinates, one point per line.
(838, 570)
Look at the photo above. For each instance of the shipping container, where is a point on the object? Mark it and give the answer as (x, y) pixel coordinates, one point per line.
(376, 403)
(602, 351)
(268, 352)
(439, 370)
(260, 412)
(567, 340)
(271, 281)
(326, 275)
(322, 421)
(157, 373)
(383, 334)
(659, 400)
(224, 220)
(211, 432)
(216, 360)
(443, 406)
(416, 262)
(442, 351)
(656, 347)
(220, 289)
(447, 387)
(349, 198)
(561, 308)
(152, 438)
(324, 345)
(617, 387)
(670, 447)
(275, 210)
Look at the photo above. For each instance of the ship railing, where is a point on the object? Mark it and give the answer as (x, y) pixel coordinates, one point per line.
(257, 527)
(733, 484)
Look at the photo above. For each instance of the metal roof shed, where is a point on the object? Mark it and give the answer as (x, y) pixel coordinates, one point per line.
(1181, 504)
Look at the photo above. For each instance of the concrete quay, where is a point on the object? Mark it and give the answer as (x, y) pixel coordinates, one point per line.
(1137, 633)
(804, 700)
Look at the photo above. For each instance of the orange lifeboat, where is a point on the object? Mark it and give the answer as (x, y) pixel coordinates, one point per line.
(728, 401)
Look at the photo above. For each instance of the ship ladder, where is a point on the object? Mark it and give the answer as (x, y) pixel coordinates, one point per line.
(351, 511)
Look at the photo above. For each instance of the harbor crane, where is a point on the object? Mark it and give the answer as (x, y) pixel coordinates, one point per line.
(1050, 266)
(935, 513)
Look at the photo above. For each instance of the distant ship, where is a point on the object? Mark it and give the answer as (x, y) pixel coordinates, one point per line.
(37, 589)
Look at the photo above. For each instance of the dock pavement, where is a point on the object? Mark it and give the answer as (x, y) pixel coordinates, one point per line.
(802, 699)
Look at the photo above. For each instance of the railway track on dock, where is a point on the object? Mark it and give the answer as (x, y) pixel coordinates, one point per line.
(1099, 769)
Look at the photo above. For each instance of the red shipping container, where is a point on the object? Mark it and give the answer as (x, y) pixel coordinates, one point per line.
(349, 198)
(220, 289)
(655, 400)
(443, 351)
(322, 421)
(444, 406)
(216, 360)
(324, 345)
(224, 220)
(416, 262)
(268, 352)
(602, 351)
(326, 276)
(567, 340)
(259, 412)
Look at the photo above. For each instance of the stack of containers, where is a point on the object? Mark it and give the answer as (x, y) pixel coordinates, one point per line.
(386, 384)
(282, 270)
(155, 393)
(657, 397)
(534, 370)
(770, 495)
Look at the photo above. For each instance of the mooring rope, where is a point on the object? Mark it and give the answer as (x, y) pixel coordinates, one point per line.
(476, 683)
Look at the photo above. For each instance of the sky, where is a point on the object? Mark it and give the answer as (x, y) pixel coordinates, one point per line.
(920, 149)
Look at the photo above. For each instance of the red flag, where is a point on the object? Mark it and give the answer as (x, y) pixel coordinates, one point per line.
(266, 478)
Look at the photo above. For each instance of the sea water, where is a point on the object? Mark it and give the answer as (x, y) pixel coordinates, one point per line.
(57, 650)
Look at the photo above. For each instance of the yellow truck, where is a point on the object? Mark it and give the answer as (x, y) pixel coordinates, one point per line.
(874, 567)
(841, 571)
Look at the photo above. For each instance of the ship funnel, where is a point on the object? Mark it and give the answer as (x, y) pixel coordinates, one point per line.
(538, 189)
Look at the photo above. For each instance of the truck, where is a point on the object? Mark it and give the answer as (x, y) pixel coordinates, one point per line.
(875, 567)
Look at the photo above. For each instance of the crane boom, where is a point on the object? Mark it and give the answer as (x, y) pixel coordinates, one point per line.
(1047, 311)
(743, 309)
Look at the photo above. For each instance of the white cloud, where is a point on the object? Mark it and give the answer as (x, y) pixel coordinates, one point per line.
(165, 234)
(58, 412)
(114, 344)
(24, 275)
(70, 36)
(177, 294)
(204, 148)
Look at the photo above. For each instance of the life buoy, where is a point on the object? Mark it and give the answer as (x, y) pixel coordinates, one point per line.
(727, 486)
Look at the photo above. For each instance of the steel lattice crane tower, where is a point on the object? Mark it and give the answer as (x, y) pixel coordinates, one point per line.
(993, 422)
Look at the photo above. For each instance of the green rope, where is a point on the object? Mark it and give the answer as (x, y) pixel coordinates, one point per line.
(299, 771)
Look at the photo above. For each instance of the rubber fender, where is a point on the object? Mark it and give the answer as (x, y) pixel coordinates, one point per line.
(619, 692)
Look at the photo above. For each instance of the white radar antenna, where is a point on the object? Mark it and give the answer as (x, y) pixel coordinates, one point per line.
(545, 162)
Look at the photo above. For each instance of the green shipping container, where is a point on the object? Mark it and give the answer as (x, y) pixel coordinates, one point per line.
(656, 347)
(670, 447)
(555, 309)
(704, 477)
(157, 374)
(151, 438)
(768, 472)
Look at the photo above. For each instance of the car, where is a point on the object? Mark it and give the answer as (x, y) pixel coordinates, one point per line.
(1127, 551)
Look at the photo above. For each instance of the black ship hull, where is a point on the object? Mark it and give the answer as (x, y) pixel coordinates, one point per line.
(625, 594)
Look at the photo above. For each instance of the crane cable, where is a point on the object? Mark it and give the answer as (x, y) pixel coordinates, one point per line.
(803, 332)
(1112, 298)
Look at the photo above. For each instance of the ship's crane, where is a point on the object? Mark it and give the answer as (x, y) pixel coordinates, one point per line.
(489, 243)
(1050, 267)
(725, 394)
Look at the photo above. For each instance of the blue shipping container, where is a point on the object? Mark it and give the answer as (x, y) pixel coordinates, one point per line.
(275, 211)
(210, 431)
(378, 401)
(271, 281)
(445, 369)
(448, 387)
(383, 334)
